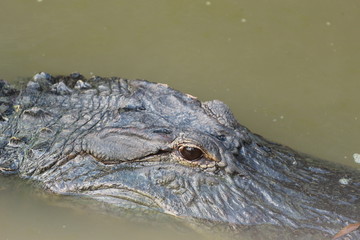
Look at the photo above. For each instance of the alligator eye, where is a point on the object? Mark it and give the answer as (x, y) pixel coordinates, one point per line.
(190, 153)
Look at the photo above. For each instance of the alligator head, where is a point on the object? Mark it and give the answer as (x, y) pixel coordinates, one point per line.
(144, 145)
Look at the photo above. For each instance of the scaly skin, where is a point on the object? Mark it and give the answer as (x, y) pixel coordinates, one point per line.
(145, 145)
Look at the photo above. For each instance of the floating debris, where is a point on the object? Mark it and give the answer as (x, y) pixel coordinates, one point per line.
(348, 229)
(344, 181)
(356, 157)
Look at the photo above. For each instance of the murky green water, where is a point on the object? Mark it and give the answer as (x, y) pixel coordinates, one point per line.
(288, 69)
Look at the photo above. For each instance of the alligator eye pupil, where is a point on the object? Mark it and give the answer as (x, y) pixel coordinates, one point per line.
(190, 153)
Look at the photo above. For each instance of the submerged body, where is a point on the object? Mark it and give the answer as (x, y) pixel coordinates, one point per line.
(145, 145)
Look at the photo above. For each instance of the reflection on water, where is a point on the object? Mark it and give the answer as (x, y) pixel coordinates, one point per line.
(29, 213)
(288, 69)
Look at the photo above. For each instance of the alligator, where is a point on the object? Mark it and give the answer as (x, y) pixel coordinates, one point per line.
(138, 144)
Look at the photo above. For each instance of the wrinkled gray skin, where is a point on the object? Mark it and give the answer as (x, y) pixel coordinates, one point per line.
(118, 141)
